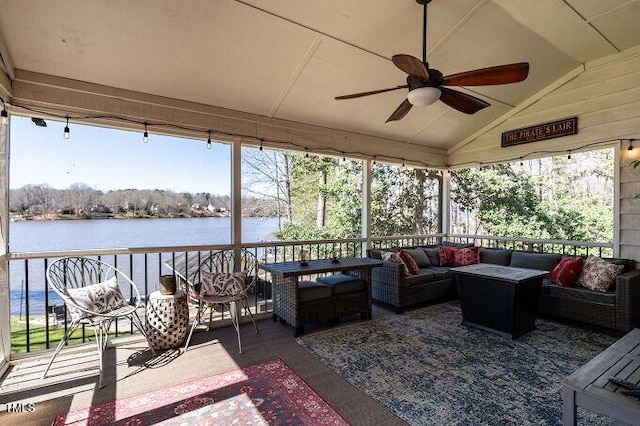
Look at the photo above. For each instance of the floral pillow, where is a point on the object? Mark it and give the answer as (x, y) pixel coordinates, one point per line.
(98, 298)
(599, 274)
(409, 262)
(567, 272)
(395, 258)
(465, 256)
(447, 255)
(223, 284)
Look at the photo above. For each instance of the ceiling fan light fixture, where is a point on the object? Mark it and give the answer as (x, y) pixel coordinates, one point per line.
(423, 96)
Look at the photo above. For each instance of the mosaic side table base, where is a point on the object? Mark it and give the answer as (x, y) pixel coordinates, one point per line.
(167, 318)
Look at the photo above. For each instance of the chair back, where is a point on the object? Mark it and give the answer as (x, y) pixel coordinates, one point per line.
(228, 261)
(78, 272)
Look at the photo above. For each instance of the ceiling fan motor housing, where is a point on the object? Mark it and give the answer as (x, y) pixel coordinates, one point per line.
(416, 82)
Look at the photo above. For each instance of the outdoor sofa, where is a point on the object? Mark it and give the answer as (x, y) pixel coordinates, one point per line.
(618, 308)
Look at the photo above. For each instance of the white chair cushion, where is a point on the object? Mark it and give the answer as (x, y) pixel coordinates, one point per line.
(100, 298)
(223, 284)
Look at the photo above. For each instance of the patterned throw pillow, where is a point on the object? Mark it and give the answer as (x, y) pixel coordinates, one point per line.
(465, 256)
(395, 257)
(599, 274)
(567, 272)
(409, 262)
(223, 284)
(447, 255)
(99, 298)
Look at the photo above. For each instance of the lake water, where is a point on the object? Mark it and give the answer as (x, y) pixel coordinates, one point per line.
(27, 236)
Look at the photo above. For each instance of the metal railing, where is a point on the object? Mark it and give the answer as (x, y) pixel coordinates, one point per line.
(42, 318)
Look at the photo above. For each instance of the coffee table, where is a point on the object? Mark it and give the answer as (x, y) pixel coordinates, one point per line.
(499, 299)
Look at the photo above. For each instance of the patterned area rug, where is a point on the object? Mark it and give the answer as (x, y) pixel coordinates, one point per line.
(427, 368)
(263, 394)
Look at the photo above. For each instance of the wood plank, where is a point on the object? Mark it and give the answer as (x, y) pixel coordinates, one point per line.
(589, 372)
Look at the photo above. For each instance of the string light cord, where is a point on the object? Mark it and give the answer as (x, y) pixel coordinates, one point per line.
(283, 144)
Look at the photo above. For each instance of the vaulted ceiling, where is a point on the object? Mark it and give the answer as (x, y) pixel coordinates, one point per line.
(288, 59)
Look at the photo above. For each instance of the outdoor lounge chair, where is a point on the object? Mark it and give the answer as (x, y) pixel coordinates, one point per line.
(91, 290)
(223, 279)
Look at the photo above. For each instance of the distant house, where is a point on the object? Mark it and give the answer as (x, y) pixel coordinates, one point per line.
(67, 211)
(100, 208)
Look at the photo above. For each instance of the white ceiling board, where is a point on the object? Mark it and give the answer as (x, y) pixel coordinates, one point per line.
(287, 59)
(215, 57)
(383, 27)
(456, 126)
(621, 25)
(338, 69)
(492, 37)
(592, 8)
(556, 22)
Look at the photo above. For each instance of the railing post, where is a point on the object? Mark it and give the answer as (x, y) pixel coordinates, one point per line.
(445, 204)
(236, 195)
(366, 206)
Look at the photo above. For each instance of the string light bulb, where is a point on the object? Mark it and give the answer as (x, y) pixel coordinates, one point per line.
(403, 163)
(375, 160)
(630, 145)
(261, 144)
(67, 133)
(569, 156)
(209, 140)
(306, 155)
(521, 162)
(344, 160)
(4, 116)
(145, 136)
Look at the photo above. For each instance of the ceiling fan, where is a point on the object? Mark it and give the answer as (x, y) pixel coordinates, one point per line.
(426, 85)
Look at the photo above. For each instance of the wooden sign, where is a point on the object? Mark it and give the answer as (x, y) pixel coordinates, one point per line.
(540, 132)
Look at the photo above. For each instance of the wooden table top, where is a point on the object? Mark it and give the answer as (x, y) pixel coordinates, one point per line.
(621, 360)
(292, 269)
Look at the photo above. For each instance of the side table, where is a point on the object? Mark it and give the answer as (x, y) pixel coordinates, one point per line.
(167, 317)
(589, 387)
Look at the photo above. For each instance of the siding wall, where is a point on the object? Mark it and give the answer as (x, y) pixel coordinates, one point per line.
(606, 99)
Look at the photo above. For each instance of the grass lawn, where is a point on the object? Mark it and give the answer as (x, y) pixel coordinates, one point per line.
(38, 336)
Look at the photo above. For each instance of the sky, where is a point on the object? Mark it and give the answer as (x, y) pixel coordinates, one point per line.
(108, 159)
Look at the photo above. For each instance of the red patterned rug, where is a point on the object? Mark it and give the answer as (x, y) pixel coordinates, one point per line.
(265, 394)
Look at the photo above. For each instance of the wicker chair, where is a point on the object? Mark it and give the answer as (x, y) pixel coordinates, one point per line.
(225, 262)
(91, 290)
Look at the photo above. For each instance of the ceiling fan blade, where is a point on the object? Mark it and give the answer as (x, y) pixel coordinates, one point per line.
(373, 92)
(411, 65)
(461, 101)
(400, 112)
(501, 74)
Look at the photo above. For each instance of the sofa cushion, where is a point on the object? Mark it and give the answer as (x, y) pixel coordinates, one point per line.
(458, 245)
(342, 283)
(599, 274)
(374, 253)
(433, 254)
(495, 256)
(581, 293)
(629, 264)
(408, 260)
(419, 256)
(394, 257)
(312, 290)
(442, 271)
(465, 256)
(566, 273)
(424, 276)
(541, 261)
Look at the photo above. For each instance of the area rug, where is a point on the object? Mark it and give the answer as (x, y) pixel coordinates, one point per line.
(265, 394)
(427, 368)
